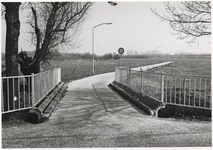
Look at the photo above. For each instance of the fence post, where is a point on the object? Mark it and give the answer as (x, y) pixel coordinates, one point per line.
(33, 89)
(116, 74)
(141, 80)
(53, 78)
(162, 86)
(120, 73)
(59, 74)
(129, 77)
(2, 96)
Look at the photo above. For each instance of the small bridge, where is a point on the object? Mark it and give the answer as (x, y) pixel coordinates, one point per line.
(152, 91)
(92, 115)
(36, 93)
(160, 89)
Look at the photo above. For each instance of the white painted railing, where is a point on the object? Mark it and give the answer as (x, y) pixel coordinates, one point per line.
(185, 90)
(24, 92)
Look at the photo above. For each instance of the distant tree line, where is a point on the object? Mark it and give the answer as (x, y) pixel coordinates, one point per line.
(85, 56)
(109, 56)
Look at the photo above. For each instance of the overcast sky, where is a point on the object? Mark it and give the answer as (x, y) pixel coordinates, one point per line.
(134, 28)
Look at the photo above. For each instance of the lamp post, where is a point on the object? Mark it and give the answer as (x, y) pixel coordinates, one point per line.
(93, 42)
(155, 52)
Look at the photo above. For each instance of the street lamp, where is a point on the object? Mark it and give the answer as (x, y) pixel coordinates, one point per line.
(93, 34)
(155, 52)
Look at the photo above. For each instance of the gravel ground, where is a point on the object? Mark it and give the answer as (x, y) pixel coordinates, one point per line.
(92, 115)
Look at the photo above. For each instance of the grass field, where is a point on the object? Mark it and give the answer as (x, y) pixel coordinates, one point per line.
(189, 66)
(72, 70)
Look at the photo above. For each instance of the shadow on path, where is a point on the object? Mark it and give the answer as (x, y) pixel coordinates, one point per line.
(83, 107)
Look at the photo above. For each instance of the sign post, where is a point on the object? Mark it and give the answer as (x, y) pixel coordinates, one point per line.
(121, 51)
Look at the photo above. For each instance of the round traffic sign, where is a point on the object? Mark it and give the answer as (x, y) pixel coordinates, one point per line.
(121, 50)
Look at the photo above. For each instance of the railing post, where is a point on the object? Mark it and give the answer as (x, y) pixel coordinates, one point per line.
(2, 96)
(53, 78)
(116, 74)
(162, 86)
(129, 77)
(141, 80)
(33, 89)
(120, 79)
(59, 74)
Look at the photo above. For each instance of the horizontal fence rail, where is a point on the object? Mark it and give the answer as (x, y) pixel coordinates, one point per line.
(184, 90)
(24, 92)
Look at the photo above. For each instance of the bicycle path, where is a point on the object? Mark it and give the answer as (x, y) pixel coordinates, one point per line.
(92, 115)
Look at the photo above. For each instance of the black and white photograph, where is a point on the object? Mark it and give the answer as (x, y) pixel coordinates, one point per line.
(106, 74)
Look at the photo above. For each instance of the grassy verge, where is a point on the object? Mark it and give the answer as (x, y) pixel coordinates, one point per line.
(14, 119)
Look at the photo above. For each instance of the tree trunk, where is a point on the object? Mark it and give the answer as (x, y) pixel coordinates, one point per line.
(12, 35)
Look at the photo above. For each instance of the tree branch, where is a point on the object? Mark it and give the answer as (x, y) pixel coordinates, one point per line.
(37, 31)
(192, 19)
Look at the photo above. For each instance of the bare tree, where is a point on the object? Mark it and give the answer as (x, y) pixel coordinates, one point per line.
(54, 25)
(188, 19)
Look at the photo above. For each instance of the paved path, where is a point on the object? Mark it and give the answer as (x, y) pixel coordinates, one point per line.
(92, 115)
(151, 66)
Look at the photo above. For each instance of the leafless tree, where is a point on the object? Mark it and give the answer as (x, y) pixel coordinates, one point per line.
(188, 19)
(54, 25)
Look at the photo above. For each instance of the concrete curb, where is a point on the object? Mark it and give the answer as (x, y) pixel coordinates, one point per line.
(53, 104)
(128, 97)
(137, 100)
(43, 110)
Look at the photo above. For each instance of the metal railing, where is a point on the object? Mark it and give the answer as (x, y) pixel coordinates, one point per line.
(24, 92)
(188, 90)
(121, 74)
(185, 90)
